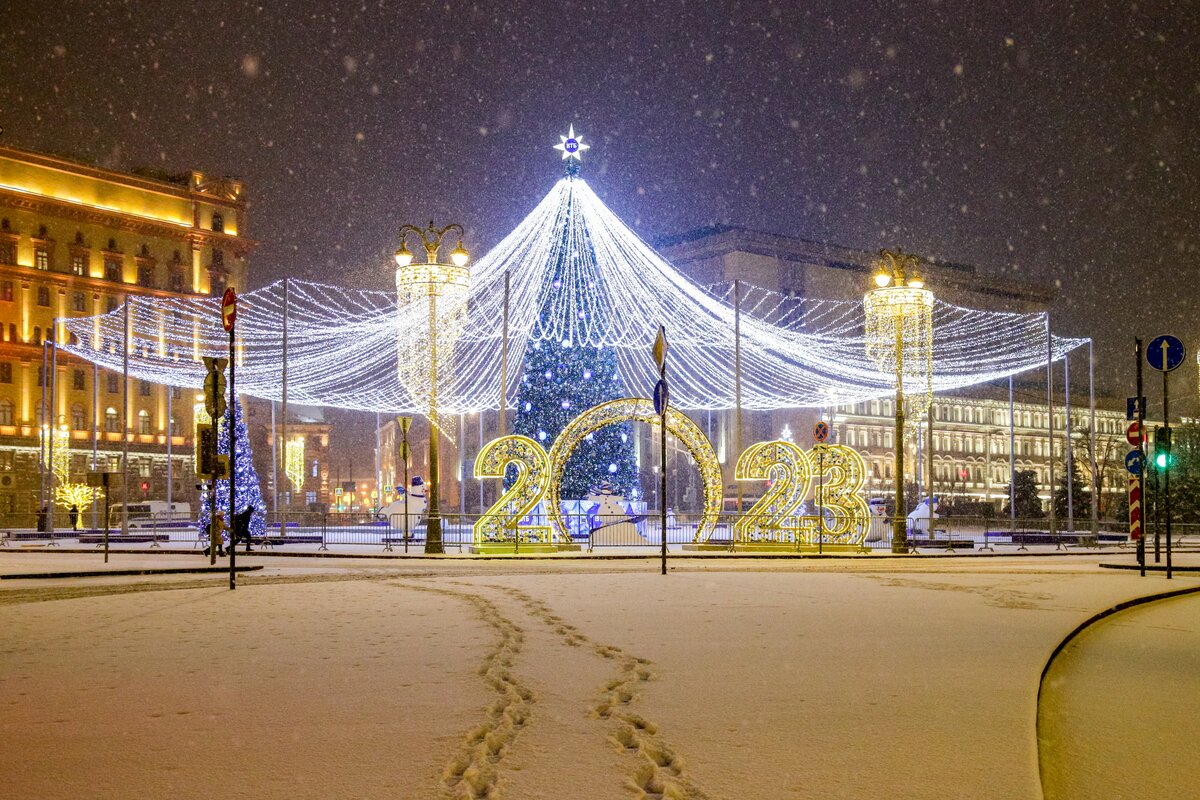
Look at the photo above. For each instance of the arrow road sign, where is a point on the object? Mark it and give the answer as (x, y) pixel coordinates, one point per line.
(1133, 462)
(662, 396)
(1134, 406)
(1164, 353)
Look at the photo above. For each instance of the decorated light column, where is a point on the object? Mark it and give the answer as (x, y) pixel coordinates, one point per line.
(430, 280)
(899, 339)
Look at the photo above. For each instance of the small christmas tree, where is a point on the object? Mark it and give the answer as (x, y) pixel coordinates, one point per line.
(249, 492)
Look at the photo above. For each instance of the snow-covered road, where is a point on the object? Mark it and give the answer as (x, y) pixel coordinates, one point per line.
(541, 679)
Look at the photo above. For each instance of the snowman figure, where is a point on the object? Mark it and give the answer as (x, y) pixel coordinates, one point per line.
(417, 502)
(880, 529)
(919, 519)
(609, 511)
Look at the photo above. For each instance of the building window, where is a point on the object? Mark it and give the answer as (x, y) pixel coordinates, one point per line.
(43, 296)
(79, 301)
(8, 252)
(174, 426)
(310, 498)
(6, 290)
(77, 379)
(6, 412)
(111, 423)
(176, 392)
(78, 422)
(145, 468)
(7, 460)
(112, 269)
(144, 422)
(111, 304)
(114, 383)
(218, 223)
(37, 334)
(316, 465)
(5, 372)
(41, 258)
(12, 332)
(176, 280)
(145, 388)
(79, 264)
(146, 275)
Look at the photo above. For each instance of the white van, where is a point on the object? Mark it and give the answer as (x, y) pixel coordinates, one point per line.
(155, 514)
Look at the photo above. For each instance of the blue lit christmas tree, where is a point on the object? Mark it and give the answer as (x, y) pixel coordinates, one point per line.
(562, 379)
(249, 492)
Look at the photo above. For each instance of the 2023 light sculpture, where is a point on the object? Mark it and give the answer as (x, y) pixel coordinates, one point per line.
(842, 516)
(502, 523)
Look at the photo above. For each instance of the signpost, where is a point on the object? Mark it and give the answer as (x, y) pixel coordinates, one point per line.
(820, 436)
(1165, 353)
(1135, 509)
(662, 397)
(228, 319)
(1135, 407)
(1135, 434)
(105, 481)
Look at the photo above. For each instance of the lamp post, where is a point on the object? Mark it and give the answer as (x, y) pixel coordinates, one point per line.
(430, 279)
(899, 339)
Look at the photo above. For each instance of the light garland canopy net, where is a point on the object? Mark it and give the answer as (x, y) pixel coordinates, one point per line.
(363, 349)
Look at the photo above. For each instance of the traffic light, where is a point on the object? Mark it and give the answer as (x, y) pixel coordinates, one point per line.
(1163, 458)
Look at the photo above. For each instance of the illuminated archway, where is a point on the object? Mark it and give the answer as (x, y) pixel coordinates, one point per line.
(639, 409)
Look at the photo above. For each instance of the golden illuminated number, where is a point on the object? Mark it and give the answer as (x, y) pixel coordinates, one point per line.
(773, 517)
(843, 475)
(501, 523)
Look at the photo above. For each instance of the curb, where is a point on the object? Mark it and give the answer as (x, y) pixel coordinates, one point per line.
(100, 573)
(1154, 568)
(1080, 628)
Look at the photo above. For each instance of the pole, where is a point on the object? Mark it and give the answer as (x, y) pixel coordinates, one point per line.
(53, 423)
(42, 440)
(277, 451)
(737, 379)
(1092, 441)
(899, 534)
(1012, 458)
(477, 452)
(929, 464)
(233, 466)
(404, 453)
(433, 517)
(821, 501)
(1050, 422)
(503, 361)
(96, 435)
(378, 465)
(125, 421)
(1167, 469)
(1141, 415)
(1070, 456)
(168, 390)
(282, 521)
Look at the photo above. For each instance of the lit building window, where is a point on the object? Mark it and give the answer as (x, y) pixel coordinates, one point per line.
(6, 411)
(145, 423)
(78, 421)
(41, 258)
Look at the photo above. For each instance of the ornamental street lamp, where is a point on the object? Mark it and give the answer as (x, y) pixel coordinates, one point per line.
(899, 339)
(431, 280)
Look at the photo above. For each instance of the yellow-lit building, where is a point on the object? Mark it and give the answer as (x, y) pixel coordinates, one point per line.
(76, 240)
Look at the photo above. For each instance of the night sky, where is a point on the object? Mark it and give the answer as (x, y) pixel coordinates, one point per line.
(1054, 143)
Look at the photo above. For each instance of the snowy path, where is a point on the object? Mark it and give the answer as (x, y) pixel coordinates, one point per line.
(1120, 714)
(542, 680)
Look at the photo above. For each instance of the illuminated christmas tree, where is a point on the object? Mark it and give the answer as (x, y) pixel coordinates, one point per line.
(562, 379)
(249, 491)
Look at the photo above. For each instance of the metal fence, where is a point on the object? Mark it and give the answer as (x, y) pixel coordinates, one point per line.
(398, 535)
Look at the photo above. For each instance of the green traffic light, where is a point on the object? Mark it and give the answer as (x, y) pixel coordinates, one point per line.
(1161, 460)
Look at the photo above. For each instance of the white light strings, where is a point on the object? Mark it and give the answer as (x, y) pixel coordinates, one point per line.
(611, 290)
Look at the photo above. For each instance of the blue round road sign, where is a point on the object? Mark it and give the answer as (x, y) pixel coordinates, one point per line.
(661, 397)
(1164, 353)
(821, 431)
(1133, 462)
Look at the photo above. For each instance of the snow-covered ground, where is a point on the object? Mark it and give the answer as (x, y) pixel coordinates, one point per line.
(534, 679)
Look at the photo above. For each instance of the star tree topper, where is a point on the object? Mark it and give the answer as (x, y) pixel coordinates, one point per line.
(572, 146)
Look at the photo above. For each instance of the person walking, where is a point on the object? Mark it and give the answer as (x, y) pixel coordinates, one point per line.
(74, 516)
